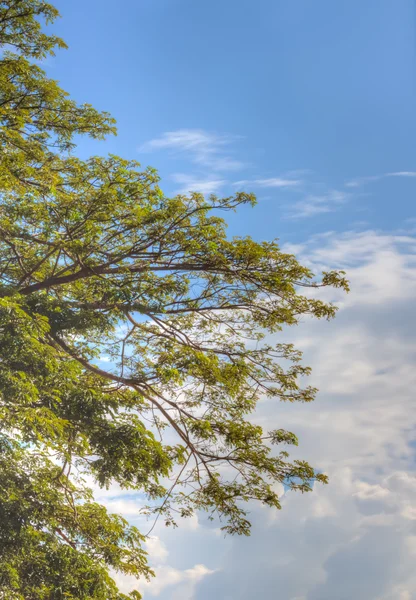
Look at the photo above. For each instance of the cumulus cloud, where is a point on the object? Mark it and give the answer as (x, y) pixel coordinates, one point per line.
(356, 537)
(184, 582)
(322, 546)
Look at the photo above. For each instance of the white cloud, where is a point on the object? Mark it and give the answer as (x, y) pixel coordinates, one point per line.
(193, 184)
(104, 358)
(202, 147)
(402, 174)
(129, 507)
(184, 581)
(313, 205)
(156, 549)
(356, 537)
(272, 182)
(372, 178)
(382, 265)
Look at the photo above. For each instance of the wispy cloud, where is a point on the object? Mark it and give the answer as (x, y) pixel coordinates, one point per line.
(372, 178)
(272, 182)
(189, 183)
(309, 204)
(202, 147)
(313, 205)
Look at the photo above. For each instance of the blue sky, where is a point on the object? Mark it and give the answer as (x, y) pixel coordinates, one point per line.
(326, 87)
(312, 106)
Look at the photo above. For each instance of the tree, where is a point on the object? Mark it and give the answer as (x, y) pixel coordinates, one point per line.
(95, 260)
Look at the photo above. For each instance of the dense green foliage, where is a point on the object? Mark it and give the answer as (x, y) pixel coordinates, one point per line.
(95, 260)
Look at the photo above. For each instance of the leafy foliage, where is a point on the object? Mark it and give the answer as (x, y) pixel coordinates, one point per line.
(96, 261)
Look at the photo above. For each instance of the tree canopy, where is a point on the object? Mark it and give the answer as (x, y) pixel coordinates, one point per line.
(96, 262)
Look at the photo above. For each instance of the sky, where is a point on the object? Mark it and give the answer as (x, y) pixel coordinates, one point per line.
(311, 105)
